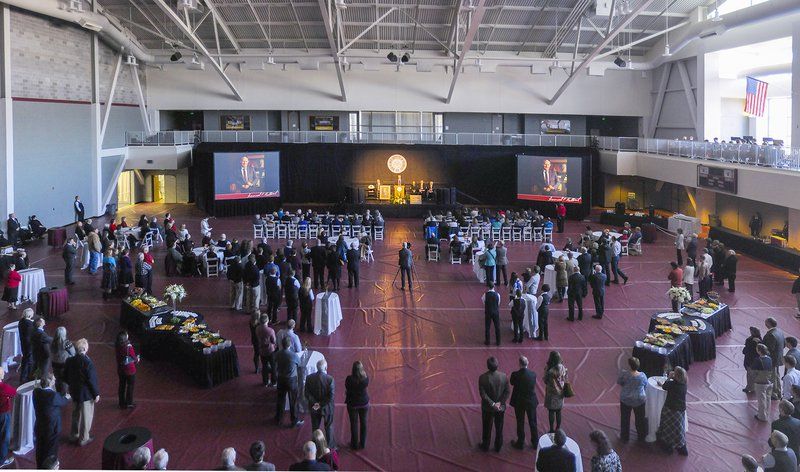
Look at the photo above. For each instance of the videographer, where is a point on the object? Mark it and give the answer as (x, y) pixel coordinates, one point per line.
(406, 263)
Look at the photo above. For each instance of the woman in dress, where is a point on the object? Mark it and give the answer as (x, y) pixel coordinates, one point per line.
(126, 370)
(543, 312)
(671, 432)
(61, 349)
(562, 278)
(606, 460)
(306, 297)
(632, 397)
(109, 282)
(357, 401)
(325, 454)
(555, 377)
(11, 290)
(517, 305)
(750, 356)
(125, 273)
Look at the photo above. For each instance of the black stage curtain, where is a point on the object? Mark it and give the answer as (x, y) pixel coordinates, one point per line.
(319, 173)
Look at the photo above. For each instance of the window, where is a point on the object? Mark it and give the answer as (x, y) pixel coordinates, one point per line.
(353, 126)
(401, 125)
(777, 120)
(730, 6)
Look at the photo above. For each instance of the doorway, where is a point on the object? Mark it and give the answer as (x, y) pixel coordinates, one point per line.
(125, 189)
(158, 188)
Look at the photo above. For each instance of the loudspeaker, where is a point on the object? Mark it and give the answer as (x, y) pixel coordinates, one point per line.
(361, 195)
(453, 196)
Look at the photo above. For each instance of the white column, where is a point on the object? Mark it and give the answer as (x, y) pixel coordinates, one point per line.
(96, 201)
(6, 117)
(796, 86)
(710, 98)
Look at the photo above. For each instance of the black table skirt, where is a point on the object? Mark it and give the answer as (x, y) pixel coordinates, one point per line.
(782, 257)
(704, 344)
(614, 219)
(720, 320)
(653, 363)
(207, 370)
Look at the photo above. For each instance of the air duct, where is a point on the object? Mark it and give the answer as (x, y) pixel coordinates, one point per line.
(111, 32)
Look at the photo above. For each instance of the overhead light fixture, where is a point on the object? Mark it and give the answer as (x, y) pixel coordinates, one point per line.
(90, 25)
(176, 56)
(75, 6)
(341, 5)
(270, 60)
(667, 52)
(717, 16)
(392, 57)
(406, 57)
(620, 62)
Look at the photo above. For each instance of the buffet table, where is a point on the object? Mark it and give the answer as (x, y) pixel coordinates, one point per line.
(32, 282)
(208, 366)
(688, 224)
(703, 341)
(327, 313)
(656, 396)
(720, 319)
(546, 440)
(655, 362)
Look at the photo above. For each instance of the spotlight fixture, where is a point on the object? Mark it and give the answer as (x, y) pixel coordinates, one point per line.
(176, 56)
(667, 52)
(620, 62)
(392, 57)
(717, 16)
(406, 57)
(270, 60)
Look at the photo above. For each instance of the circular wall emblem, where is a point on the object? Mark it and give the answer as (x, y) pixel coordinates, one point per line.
(397, 163)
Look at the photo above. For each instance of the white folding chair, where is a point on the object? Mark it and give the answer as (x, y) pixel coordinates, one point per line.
(506, 234)
(433, 252)
(454, 259)
(516, 233)
(624, 251)
(370, 256)
(548, 235)
(464, 230)
(378, 233)
(302, 232)
(495, 234)
(336, 230)
(212, 267)
(637, 246)
(475, 231)
(313, 231)
(258, 231)
(355, 231)
(147, 242)
(537, 234)
(527, 233)
(292, 231)
(269, 231)
(282, 231)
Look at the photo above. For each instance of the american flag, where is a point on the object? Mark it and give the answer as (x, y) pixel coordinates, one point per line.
(755, 97)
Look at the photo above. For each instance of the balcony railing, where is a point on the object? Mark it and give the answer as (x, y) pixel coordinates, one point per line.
(750, 154)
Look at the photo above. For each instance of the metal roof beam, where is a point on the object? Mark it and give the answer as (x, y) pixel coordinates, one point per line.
(299, 25)
(476, 16)
(534, 24)
(223, 24)
(569, 23)
(186, 30)
(324, 9)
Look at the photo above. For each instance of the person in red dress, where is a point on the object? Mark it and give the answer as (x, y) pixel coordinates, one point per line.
(126, 370)
(11, 291)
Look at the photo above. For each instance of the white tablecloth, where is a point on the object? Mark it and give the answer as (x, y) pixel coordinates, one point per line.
(596, 234)
(23, 418)
(32, 281)
(689, 224)
(11, 345)
(198, 251)
(334, 312)
(572, 446)
(530, 320)
(347, 240)
(656, 396)
(550, 278)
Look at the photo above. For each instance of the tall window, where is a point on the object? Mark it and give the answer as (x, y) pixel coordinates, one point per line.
(401, 125)
(777, 120)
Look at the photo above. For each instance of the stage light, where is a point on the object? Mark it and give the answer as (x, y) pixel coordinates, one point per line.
(406, 57)
(620, 62)
(176, 56)
(392, 57)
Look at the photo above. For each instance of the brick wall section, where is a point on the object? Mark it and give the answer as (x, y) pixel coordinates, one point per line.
(51, 59)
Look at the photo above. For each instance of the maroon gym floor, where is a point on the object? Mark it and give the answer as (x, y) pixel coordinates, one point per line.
(424, 352)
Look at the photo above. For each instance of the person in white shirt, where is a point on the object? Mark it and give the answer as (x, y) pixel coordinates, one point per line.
(294, 340)
(679, 246)
(688, 277)
(532, 284)
(205, 229)
(183, 233)
(790, 378)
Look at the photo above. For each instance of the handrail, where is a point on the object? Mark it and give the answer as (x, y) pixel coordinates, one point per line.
(749, 154)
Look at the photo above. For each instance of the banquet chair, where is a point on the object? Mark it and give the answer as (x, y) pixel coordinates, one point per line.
(336, 230)
(455, 259)
(122, 242)
(302, 232)
(258, 231)
(624, 251)
(292, 231)
(212, 267)
(228, 261)
(527, 233)
(548, 235)
(537, 234)
(156, 237)
(516, 233)
(433, 252)
(313, 231)
(474, 231)
(355, 231)
(147, 242)
(281, 231)
(370, 257)
(378, 233)
(637, 247)
(464, 230)
(495, 234)
(269, 231)
(506, 234)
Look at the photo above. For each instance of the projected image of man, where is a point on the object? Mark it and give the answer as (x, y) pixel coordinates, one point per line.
(546, 178)
(247, 173)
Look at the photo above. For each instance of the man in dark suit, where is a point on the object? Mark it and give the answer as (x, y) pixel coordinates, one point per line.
(333, 262)
(41, 347)
(353, 262)
(26, 329)
(319, 393)
(788, 425)
(585, 263)
(524, 401)
(78, 207)
(775, 340)
(257, 451)
(309, 461)
(598, 282)
(576, 290)
(406, 262)
(545, 179)
(12, 228)
(605, 254)
(491, 312)
(47, 404)
(318, 255)
(68, 254)
(81, 377)
(729, 267)
(286, 363)
(556, 458)
(493, 390)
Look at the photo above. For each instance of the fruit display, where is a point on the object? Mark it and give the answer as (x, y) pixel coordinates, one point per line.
(704, 306)
(666, 327)
(145, 302)
(659, 339)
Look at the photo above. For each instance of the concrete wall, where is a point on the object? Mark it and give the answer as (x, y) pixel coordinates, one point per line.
(733, 121)
(735, 213)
